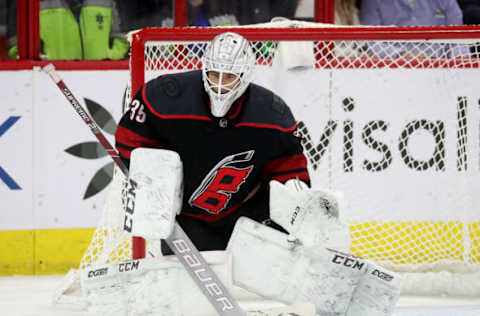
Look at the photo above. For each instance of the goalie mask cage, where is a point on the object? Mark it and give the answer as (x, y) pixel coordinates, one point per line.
(389, 117)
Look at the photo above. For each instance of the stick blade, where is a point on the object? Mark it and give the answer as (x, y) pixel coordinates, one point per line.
(300, 309)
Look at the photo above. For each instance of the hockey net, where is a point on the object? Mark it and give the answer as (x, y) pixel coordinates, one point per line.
(389, 118)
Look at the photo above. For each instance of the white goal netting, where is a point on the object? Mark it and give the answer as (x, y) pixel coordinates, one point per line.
(389, 118)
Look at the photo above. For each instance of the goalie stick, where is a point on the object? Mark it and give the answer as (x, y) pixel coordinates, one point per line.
(178, 241)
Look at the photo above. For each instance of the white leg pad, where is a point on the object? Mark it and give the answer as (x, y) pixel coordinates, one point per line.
(264, 263)
(377, 293)
(153, 287)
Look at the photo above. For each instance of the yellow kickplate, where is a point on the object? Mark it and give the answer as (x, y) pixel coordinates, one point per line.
(53, 251)
(43, 251)
(17, 252)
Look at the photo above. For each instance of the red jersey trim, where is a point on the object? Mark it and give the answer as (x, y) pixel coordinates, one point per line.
(234, 110)
(174, 116)
(129, 138)
(237, 106)
(125, 153)
(285, 164)
(213, 218)
(270, 126)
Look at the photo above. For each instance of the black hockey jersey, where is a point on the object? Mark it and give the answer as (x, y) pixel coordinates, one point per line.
(227, 162)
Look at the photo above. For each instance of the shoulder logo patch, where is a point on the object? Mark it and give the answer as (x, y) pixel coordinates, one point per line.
(171, 87)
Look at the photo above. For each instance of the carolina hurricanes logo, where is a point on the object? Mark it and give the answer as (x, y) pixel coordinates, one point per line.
(221, 182)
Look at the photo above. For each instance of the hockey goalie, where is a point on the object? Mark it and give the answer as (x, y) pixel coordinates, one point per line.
(219, 155)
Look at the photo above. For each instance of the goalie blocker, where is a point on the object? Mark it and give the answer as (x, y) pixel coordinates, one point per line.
(154, 193)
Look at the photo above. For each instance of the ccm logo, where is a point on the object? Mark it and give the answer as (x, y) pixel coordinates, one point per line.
(348, 262)
(128, 266)
(199, 271)
(295, 214)
(96, 273)
(129, 205)
(382, 275)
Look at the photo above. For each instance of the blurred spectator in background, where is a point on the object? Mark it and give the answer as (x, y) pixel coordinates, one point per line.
(410, 12)
(346, 12)
(471, 11)
(212, 12)
(11, 32)
(260, 11)
(305, 10)
(138, 14)
(76, 29)
(234, 12)
(471, 16)
(3, 29)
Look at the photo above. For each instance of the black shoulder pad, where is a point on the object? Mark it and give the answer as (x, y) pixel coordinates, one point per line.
(170, 86)
(177, 94)
(265, 107)
(278, 105)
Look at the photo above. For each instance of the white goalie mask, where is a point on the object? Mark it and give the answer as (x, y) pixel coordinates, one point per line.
(231, 60)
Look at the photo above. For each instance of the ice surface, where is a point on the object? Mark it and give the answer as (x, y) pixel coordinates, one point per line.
(31, 296)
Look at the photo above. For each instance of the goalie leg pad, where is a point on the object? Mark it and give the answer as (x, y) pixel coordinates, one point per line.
(263, 262)
(153, 287)
(377, 293)
(144, 288)
(154, 194)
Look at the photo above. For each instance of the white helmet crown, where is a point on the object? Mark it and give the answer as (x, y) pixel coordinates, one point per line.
(227, 53)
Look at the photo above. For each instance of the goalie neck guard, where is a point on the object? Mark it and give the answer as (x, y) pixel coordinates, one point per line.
(227, 56)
